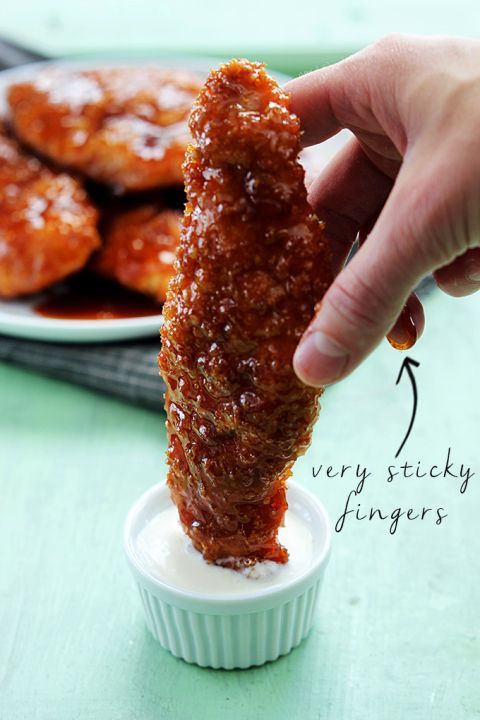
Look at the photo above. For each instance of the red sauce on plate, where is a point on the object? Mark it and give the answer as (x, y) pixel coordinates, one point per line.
(86, 297)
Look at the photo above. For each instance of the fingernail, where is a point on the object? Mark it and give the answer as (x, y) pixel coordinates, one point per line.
(473, 273)
(319, 360)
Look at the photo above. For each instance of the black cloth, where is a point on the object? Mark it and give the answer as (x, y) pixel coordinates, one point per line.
(127, 370)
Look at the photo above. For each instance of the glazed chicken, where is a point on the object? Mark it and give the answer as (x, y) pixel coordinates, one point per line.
(251, 265)
(47, 224)
(124, 126)
(139, 248)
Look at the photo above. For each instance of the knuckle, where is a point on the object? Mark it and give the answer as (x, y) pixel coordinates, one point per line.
(426, 235)
(358, 304)
(441, 235)
(394, 41)
(410, 252)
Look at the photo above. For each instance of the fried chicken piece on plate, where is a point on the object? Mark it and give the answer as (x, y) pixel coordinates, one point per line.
(251, 264)
(47, 224)
(139, 248)
(122, 126)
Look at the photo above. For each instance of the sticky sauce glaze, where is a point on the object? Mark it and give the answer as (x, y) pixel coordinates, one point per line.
(405, 335)
(89, 298)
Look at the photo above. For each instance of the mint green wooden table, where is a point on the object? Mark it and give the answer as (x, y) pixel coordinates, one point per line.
(291, 36)
(397, 633)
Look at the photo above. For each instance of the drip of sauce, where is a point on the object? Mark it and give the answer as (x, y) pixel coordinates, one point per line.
(405, 335)
(86, 297)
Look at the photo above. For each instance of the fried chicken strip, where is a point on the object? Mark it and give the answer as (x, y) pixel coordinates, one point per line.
(122, 126)
(47, 224)
(251, 264)
(139, 248)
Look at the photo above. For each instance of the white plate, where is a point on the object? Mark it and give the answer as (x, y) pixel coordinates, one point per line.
(18, 317)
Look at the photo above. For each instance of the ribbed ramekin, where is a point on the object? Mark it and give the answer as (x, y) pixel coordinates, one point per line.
(230, 631)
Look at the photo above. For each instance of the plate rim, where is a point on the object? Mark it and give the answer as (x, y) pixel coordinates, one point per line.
(43, 328)
(83, 331)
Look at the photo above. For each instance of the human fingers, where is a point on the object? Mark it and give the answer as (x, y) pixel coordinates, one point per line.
(410, 324)
(355, 93)
(364, 302)
(462, 276)
(349, 192)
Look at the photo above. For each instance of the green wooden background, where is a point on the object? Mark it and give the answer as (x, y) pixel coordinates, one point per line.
(397, 632)
(291, 36)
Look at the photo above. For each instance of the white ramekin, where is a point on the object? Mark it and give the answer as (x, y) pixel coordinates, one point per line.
(230, 631)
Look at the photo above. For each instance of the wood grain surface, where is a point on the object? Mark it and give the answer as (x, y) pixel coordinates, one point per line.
(397, 632)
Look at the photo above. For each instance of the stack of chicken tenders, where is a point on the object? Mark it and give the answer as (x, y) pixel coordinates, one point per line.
(91, 176)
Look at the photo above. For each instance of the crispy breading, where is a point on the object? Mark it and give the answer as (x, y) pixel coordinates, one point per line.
(251, 265)
(47, 224)
(122, 126)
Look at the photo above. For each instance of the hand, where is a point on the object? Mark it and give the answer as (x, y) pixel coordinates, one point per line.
(408, 183)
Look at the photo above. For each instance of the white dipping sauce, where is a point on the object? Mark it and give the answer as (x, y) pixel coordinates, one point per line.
(168, 554)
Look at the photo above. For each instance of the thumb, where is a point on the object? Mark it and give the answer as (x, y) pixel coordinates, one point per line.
(365, 299)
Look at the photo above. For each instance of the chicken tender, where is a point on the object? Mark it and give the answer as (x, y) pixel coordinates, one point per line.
(47, 224)
(139, 249)
(251, 264)
(125, 126)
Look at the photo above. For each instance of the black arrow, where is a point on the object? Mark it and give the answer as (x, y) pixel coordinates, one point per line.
(407, 365)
